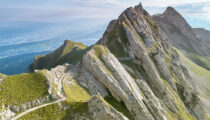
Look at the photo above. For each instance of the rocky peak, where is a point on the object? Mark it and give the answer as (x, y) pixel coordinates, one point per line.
(140, 7)
(134, 38)
(179, 32)
(134, 64)
(175, 17)
(170, 11)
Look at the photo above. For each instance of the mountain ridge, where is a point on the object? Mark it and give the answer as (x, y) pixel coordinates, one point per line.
(132, 72)
(59, 56)
(183, 37)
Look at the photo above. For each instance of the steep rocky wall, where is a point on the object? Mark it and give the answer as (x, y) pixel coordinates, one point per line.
(144, 44)
(134, 64)
(107, 69)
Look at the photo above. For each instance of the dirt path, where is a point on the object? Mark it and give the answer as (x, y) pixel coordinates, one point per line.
(62, 78)
(35, 108)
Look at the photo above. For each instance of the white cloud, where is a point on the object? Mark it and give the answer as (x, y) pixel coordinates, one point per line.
(206, 10)
(165, 3)
(65, 10)
(84, 20)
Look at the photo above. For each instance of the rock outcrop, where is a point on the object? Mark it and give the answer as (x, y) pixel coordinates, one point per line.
(108, 70)
(56, 77)
(6, 113)
(138, 38)
(135, 65)
(30, 104)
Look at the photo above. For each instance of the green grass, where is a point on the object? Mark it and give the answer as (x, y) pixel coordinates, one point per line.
(193, 67)
(198, 71)
(18, 89)
(69, 52)
(76, 56)
(78, 108)
(51, 112)
(77, 98)
(55, 112)
(120, 106)
(114, 45)
(135, 67)
(75, 93)
(123, 36)
(100, 50)
(200, 60)
(202, 76)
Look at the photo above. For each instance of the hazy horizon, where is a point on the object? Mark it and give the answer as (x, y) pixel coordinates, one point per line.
(85, 21)
(34, 26)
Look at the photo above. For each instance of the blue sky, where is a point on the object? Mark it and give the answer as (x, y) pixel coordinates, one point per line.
(100, 11)
(25, 21)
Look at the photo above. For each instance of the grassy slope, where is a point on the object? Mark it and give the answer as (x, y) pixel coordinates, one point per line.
(55, 112)
(51, 112)
(114, 45)
(200, 60)
(75, 93)
(18, 89)
(201, 78)
(77, 98)
(69, 52)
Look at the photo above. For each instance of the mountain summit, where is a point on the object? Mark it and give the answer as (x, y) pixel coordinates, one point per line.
(131, 73)
(182, 36)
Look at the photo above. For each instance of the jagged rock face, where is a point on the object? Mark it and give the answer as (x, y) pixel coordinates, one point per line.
(135, 38)
(180, 32)
(151, 101)
(107, 69)
(135, 64)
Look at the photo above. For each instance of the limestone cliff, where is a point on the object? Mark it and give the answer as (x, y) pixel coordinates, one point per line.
(132, 72)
